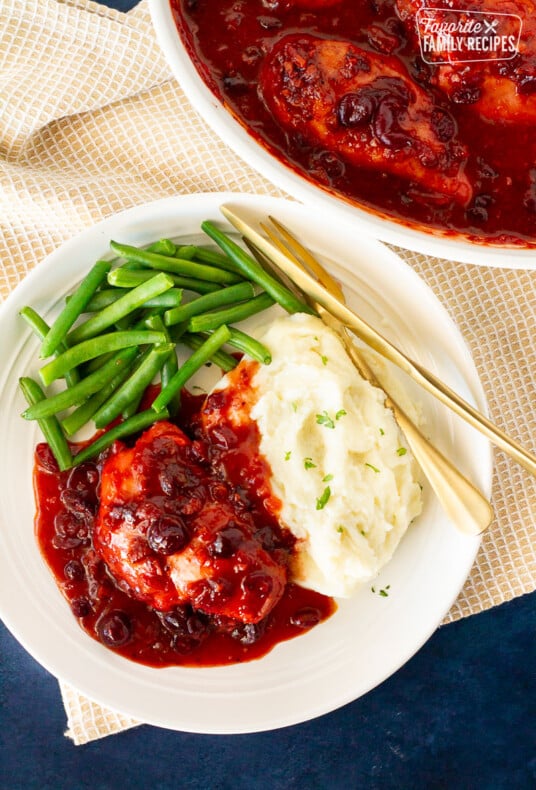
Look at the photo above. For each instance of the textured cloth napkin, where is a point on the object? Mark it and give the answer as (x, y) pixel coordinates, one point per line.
(91, 122)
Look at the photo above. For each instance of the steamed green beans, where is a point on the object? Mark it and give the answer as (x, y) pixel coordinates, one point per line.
(41, 328)
(191, 366)
(50, 426)
(254, 271)
(175, 265)
(230, 315)
(74, 308)
(89, 349)
(134, 386)
(129, 278)
(134, 424)
(107, 296)
(86, 387)
(119, 309)
(118, 333)
(225, 296)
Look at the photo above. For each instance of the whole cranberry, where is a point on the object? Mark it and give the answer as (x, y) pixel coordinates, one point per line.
(167, 535)
(355, 109)
(74, 571)
(226, 542)
(249, 633)
(80, 607)
(257, 583)
(114, 629)
(443, 125)
(306, 617)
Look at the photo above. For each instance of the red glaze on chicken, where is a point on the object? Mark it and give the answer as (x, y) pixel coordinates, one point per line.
(171, 533)
(497, 89)
(366, 108)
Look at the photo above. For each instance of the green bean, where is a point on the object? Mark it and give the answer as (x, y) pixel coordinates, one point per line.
(96, 364)
(175, 265)
(170, 366)
(163, 247)
(86, 387)
(89, 349)
(134, 385)
(49, 426)
(249, 345)
(118, 310)
(186, 252)
(196, 361)
(128, 278)
(40, 328)
(254, 271)
(84, 413)
(74, 308)
(132, 407)
(108, 296)
(206, 255)
(220, 358)
(133, 425)
(230, 295)
(230, 315)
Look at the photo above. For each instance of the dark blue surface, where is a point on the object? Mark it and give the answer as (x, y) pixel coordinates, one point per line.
(461, 714)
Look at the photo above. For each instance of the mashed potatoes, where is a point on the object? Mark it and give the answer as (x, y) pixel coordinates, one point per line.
(348, 485)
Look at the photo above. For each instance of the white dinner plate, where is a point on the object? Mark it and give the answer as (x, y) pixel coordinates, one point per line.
(370, 636)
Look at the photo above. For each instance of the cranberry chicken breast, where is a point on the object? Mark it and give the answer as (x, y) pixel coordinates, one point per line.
(171, 533)
(365, 108)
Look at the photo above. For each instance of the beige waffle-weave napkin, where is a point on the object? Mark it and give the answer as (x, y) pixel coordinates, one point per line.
(91, 122)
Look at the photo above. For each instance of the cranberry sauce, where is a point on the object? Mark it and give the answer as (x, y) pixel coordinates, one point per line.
(185, 633)
(228, 41)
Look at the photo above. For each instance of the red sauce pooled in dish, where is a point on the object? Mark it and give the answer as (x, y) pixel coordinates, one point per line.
(302, 77)
(115, 531)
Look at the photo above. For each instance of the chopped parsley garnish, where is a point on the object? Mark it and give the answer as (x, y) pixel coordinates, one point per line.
(327, 478)
(294, 405)
(287, 455)
(340, 529)
(340, 414)
(325, 419)
(322, 356)
(401, 451)
(323, 499)
(308, 463)
(383, 592)
(374, 468)
(382, 432)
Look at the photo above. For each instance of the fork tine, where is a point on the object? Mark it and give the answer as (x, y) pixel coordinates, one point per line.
(307, 258)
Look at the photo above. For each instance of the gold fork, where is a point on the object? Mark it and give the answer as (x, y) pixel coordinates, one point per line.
(467, 508)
